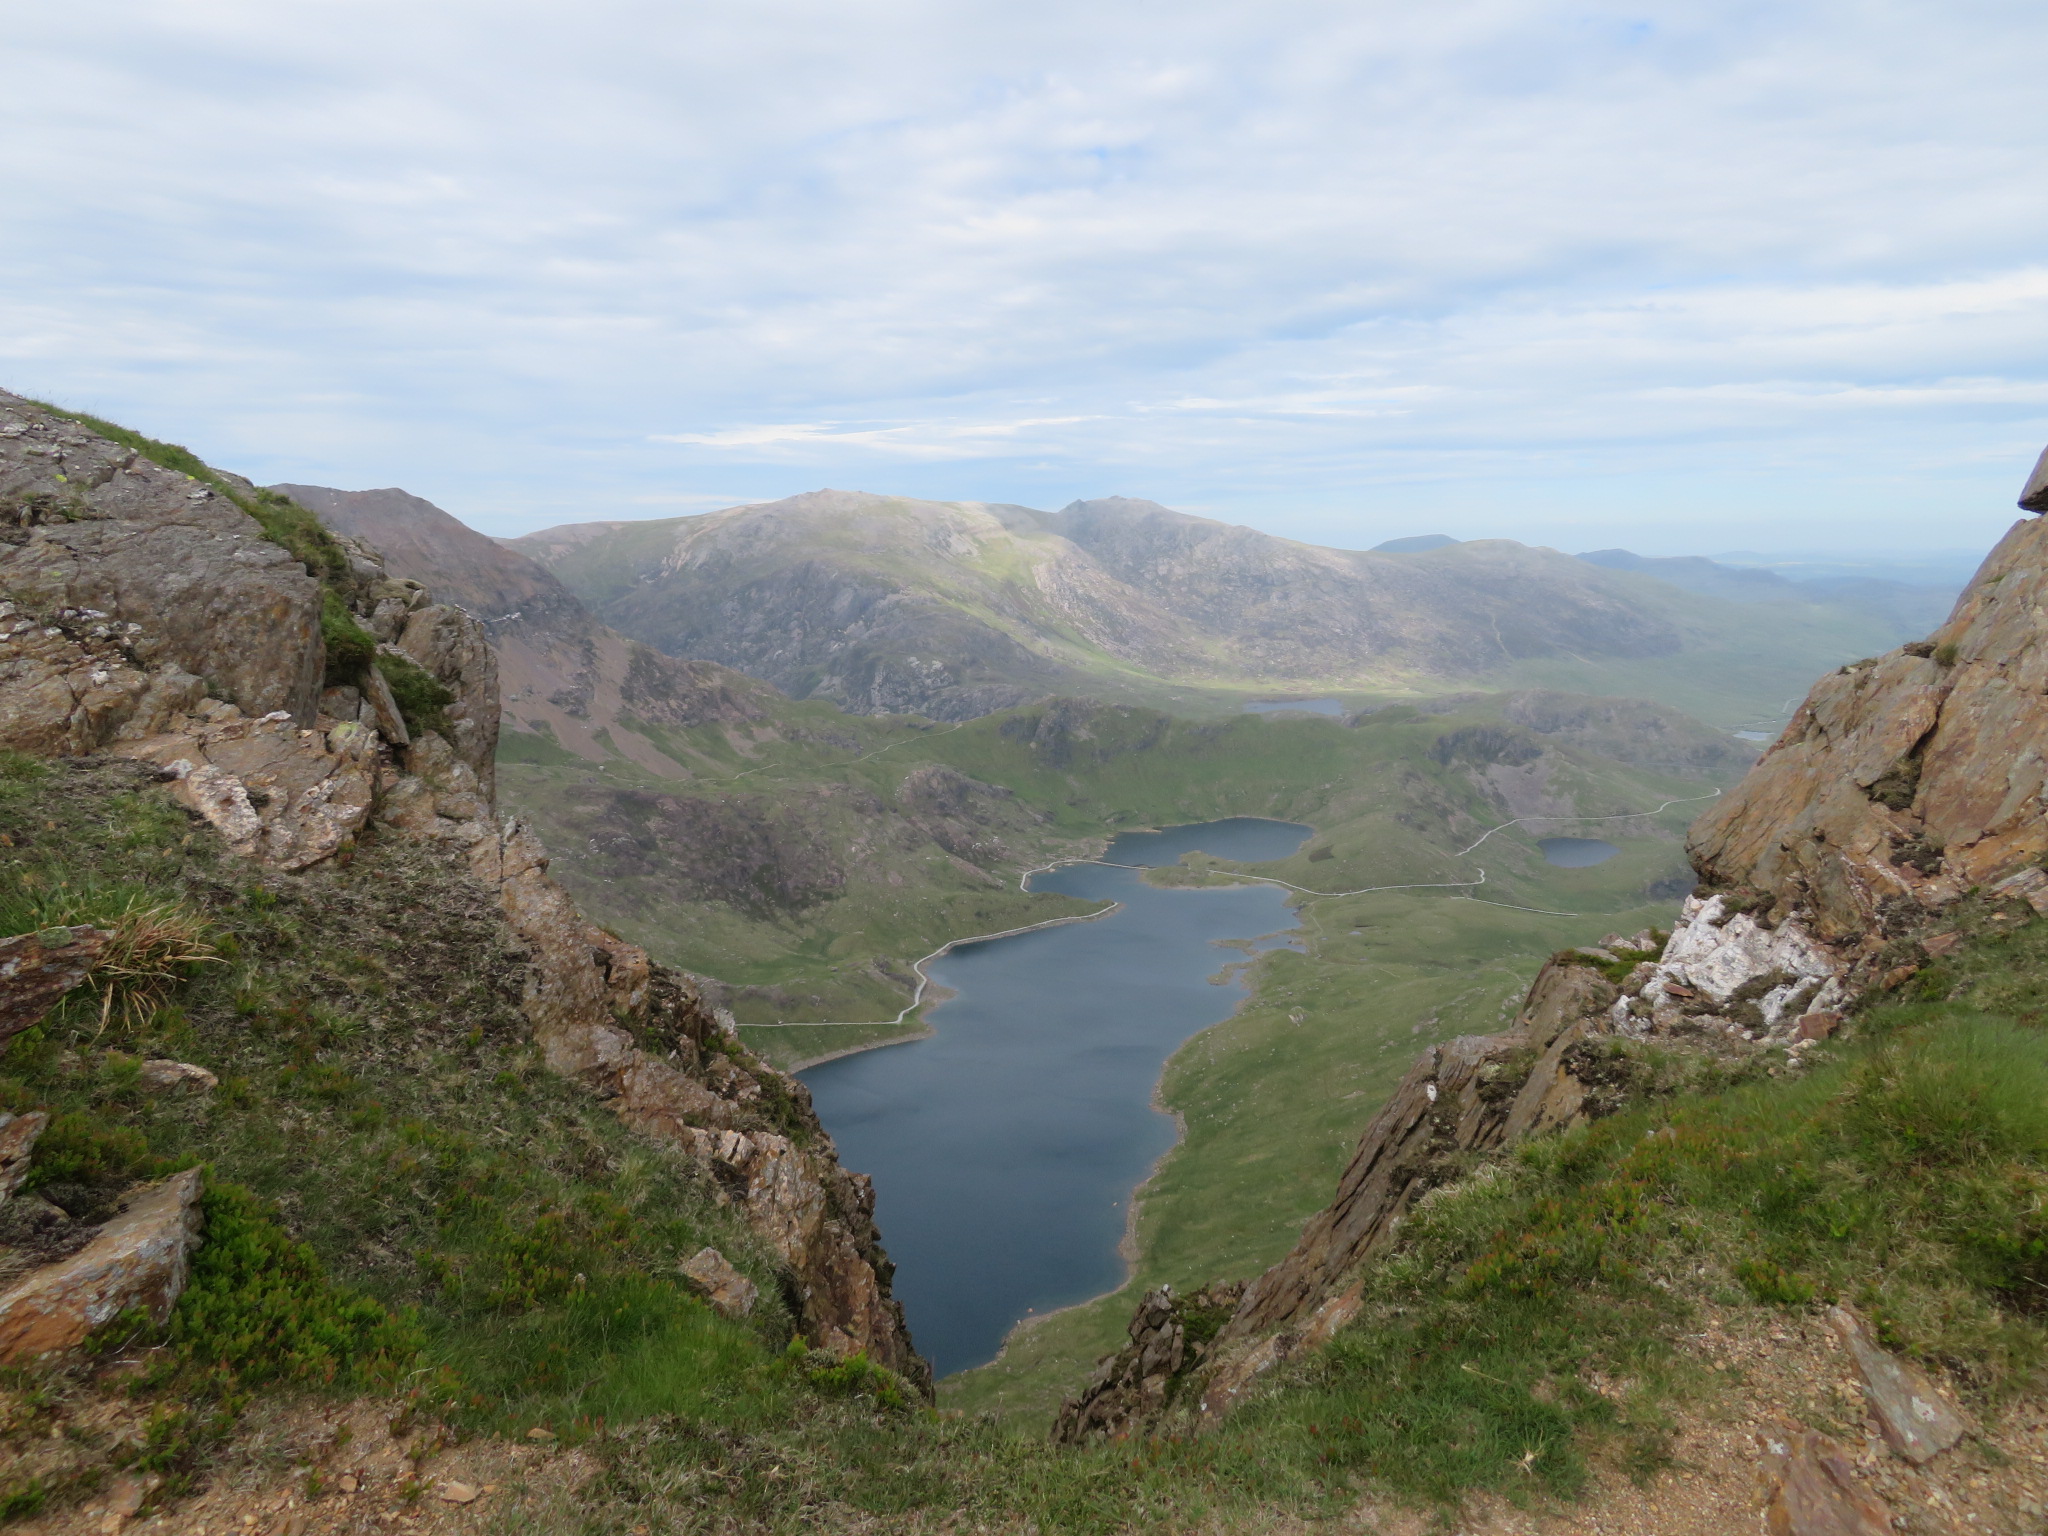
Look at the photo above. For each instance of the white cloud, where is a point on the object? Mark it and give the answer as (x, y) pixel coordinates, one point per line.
(1328, 267)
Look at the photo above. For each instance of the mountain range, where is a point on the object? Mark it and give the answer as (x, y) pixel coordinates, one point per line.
(955, 609)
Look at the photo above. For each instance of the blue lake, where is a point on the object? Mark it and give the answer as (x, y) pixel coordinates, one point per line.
(1006, 1147)
(1576, 852)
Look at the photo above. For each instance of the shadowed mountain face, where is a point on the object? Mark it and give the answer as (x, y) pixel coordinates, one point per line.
(562, 674)
(954, 609)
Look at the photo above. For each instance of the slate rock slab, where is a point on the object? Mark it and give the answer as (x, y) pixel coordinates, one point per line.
(38, 968)
(1916, 1417)
(139, 1259)
(1813, 1490)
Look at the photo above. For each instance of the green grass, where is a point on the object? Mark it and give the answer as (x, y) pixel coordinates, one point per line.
(372, 1212)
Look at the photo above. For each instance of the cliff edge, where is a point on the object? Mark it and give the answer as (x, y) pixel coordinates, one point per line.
(300, 700)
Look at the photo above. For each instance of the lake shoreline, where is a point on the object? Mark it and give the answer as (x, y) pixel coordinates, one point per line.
(1013, 1154)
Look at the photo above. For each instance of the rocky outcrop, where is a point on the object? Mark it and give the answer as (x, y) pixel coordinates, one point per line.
(287, 795)
(589, 995)
(1905, 780)
(1170, 1339)
(137, 1260)
(38, 968)
(127, 585)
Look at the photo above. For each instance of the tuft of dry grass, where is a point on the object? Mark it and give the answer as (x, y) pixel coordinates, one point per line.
(155, 946)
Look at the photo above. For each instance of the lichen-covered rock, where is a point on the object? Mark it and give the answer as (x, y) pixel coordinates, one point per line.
(727, 1290)
(139, 1259)
(38, 968)
(176, 578)
(1725, 963)
(1903, 781)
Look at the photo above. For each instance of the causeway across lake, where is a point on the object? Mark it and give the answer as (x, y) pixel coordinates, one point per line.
(1006, 1147)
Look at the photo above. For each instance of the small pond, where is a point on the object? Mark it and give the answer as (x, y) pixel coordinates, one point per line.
(1298, 706)
(1006, 1147)
(1576, 852)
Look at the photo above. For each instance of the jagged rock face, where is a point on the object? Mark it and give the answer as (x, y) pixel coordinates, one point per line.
(710, 1098)
(287, 796)
(1170, 1337)
(1474, 1092)
(1904, 781)
(130, 589)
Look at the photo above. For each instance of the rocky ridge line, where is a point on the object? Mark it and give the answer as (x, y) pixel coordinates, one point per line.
(145, 615)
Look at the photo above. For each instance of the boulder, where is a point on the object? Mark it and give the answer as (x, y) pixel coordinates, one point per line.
(729, 1292)
(2034, 495)
(38, 968)
(139, 1259)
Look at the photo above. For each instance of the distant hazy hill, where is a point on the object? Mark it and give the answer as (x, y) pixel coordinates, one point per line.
(1910, 608)
(953, 609)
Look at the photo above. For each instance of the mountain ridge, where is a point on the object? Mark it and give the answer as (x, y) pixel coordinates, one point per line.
(952, 609)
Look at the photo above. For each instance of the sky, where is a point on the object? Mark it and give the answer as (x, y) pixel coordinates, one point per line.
(1679, 277)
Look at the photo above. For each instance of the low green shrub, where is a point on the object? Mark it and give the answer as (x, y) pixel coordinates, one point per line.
(422, 698)
(260, 1308)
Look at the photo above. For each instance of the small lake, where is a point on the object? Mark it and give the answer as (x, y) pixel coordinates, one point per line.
(1301, 706)
(1006, 1147)
(1576, 852)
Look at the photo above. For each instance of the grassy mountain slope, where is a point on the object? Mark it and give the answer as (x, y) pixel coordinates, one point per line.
(954, 609)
